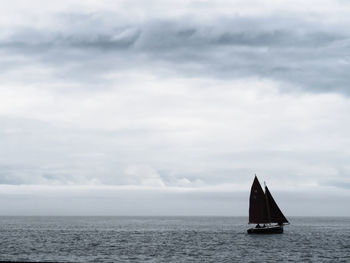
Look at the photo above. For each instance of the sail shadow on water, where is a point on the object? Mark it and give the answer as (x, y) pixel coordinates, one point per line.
(264, 211)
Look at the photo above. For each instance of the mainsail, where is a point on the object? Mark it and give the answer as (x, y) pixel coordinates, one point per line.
(262, 207)
(257, 204)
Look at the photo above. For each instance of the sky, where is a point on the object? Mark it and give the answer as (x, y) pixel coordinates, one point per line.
(171, 107)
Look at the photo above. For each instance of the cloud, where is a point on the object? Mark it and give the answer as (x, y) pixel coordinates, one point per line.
(170, 134)
(306, 55)
(141, 175)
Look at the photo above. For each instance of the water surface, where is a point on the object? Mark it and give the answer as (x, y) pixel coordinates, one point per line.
(170, 239)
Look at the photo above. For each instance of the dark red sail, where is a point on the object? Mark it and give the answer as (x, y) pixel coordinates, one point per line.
(257, 204)
(274, 213)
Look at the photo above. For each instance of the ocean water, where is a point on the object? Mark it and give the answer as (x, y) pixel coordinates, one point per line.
(170, 239)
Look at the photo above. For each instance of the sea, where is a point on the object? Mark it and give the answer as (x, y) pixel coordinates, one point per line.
(170, 239)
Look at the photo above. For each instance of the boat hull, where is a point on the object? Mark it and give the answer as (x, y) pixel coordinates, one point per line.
(266, 230)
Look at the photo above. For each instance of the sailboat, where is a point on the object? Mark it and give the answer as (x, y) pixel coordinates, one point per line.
(264, 211)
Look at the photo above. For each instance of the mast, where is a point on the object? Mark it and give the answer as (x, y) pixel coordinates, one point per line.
(267, 205)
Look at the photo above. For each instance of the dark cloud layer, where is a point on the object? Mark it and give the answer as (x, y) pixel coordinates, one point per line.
(305, 55)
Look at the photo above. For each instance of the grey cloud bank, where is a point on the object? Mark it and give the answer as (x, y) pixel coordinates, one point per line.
(306, 54)
(138, 201)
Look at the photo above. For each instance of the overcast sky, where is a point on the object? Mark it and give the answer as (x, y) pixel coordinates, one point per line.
(171, 107)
